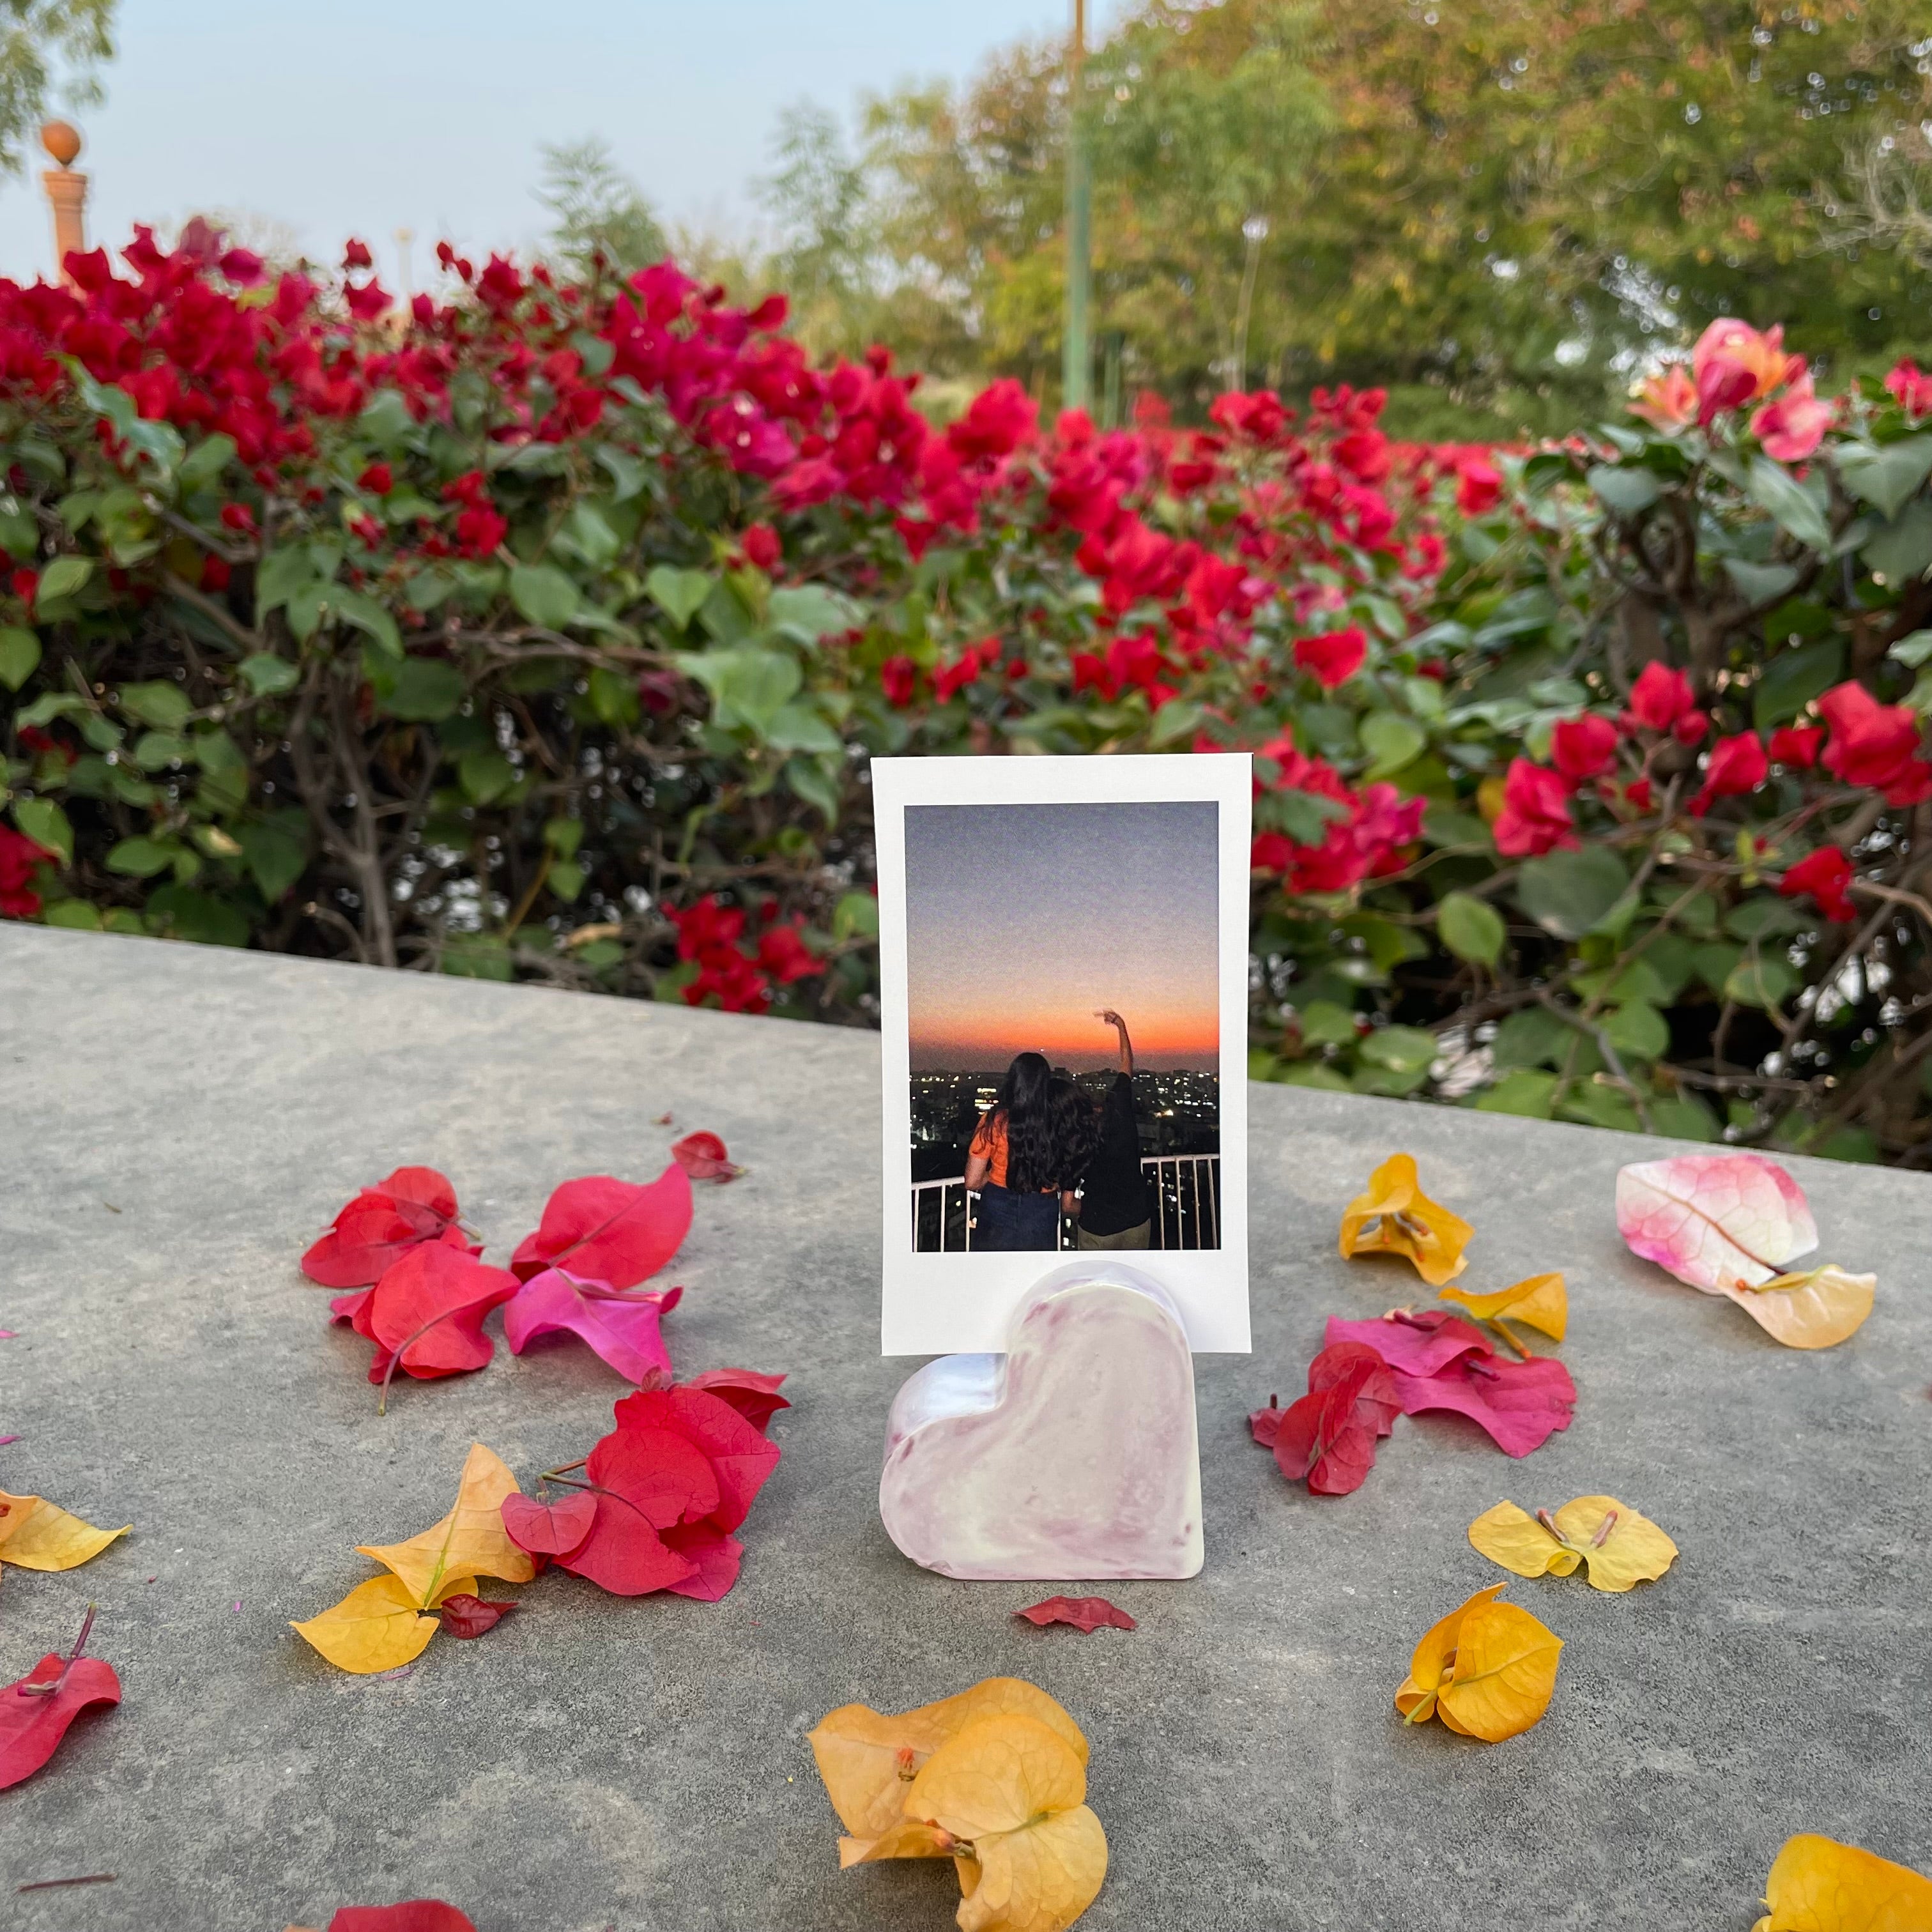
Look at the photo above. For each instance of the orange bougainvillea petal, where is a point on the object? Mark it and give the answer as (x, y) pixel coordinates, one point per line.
(1416, 1699)
(1817, 1885)
(1503, 1675)
(1396, 1217)
(1541, 1302)
(38, 1535)
(470, 1541)
(1816, 1309)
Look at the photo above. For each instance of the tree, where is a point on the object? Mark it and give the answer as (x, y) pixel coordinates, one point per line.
(598, 209)
(38, 38)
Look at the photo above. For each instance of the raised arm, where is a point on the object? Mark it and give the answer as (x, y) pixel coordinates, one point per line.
(1120, 1026)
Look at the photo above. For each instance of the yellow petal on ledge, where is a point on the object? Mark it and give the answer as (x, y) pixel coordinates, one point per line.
(1816, 1309)
(38, 1535)
(1396, 1217)
(1817, 1885)
(1541, 1303)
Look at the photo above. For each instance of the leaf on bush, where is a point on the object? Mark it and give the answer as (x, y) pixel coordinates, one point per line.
(1330, 1436)
(1541, 1302)
(600, 1229)
(1569, 893)
(43, 821)
(1818, 1884)
(1621, 1548)
(1791, 506)
(1396, 1217)
(1084, 1613)
(1488, 1669)
(38, 1535)
(703, 1156)
(20, 655)
(465, 1615)
(754, 1396)
(1471, 928)
(1884, 475)
(621, 1325)
(679, 594)
(36, 1710)
(414, 1205)
(544, 594)
(995, 1778)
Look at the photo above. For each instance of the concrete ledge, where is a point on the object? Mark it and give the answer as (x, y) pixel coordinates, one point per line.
(176, 1122)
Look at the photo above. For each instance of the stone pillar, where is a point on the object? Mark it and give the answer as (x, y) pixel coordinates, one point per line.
(66, 193)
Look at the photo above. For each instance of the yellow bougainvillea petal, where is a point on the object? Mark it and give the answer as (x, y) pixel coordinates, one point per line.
(1503, 1674)
(1816, 1309)
(1039, 1878)
(1817, 1885)
(995, 1775)
(1622, 1547)
(469, 1541)
(1416, 1699)
(1515, 1539)
(908, 1838)
(1396, 1217)
(36, 1535)
(378, 1626)
(867, 1759)
(1541, 1303)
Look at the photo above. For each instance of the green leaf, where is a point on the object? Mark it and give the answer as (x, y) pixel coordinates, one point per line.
(589, 532)
(679, 594)
(1534, 1037)
(203, 464)
(1390, 1083)
(1683, 1118)
(1790, 505)
(385, 419)
(43, 821)
(1901, 552)
(76, 915)
(1471, 928)
(1316, 1073)
(1401, 1049)
(471, 956)
(810, 781)
(856, 916)
(1764, 917)
(141, 858)
(420, 691)
(808, 612)
(267, 675)
(1529, 1094)
(1638, 1031)
(156, 750)
(486, 775)
(65, 577)
(20, 655)
(275, 849)
(1715, 963)
(362, 612)
(162, 704)
(1444, 826)
(563, 836)
(544, 594)
(1911, 651)
(279, 575)
(566, 880)
(798, 728)
(1391, 741)
(1567, 893)
(308, 604)
(1325, 1023)
(1761, 583)
(1758, 980)
(1625, 491)
(748, 687)
(182, 913)
(1792, 678)
(1885, 475)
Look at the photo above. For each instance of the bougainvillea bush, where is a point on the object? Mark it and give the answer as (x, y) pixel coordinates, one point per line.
(544, 630)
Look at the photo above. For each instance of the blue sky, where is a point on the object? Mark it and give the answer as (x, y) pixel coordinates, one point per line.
(363, 116)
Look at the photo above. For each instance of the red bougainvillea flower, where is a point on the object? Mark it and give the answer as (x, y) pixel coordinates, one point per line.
(784, 952)
(1583, 747)
(378, 479)
(551, 1528)
(1535, 814)
(704, 1157)
(670, 1484)
(19, 856)
(413, 1205)
(1417, 1344)
(1824, 874)
(1330, 1436)
(36, 1710)
(1796, 745)
(1083, 1613)
(425, 1316)
(1661, 699)
(1479, 485)
(754, 1396)
(466, 1614)
(1912, 388)
(1733, 364)
(621, 1325)
(1875, 745)
(1668, 399)
(898, 679)
(1792, 427)
(413, 1915)
(760, 548)
(1334, 658)
(356, 255)
(600, 1229)
(1737, 766)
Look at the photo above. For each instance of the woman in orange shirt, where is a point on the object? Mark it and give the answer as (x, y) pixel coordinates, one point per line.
(1026, 1156)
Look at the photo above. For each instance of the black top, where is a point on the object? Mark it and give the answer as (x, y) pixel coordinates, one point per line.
(1116, 1196)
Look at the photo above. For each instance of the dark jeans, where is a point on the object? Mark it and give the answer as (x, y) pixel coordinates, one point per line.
(1007, 1221)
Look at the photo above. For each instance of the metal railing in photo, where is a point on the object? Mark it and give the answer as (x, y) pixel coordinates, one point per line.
(1187, 1214)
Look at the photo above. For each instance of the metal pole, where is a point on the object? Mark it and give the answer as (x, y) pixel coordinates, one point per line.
(1077, 356)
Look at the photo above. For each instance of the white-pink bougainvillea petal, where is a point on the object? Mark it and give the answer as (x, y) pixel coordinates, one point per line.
(1716, 1221)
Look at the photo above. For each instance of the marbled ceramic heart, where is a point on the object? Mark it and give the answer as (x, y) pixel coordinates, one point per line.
(1072, 1456)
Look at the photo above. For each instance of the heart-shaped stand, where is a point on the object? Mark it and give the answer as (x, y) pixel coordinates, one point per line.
(1073, 1455)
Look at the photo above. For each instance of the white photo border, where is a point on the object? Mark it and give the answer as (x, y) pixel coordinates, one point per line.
(959, 1302)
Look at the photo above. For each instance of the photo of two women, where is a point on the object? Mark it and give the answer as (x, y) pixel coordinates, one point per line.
(1040, 1119)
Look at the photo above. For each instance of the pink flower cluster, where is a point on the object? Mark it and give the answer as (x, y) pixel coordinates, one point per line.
(1732, 367)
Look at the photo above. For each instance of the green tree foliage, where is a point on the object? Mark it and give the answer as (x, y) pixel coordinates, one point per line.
(39, 40)
(597, 209)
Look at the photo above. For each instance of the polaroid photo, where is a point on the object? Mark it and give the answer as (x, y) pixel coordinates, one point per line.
(1063, 952)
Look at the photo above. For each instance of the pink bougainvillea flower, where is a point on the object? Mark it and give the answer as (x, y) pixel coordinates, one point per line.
(413, 1205)
(760, 547)
(1737, 766)
(1668, 399)
(1334, 658)
(618, 1231)
(1520, 1404)
(1329, 1435)
(1792, 427)
(620, 1325)
(1875, 745)
(704, 1156)
(1535, 815)
(1796, 745)
(1912, 387)
(413, 1915)
(1583, 747)
(425, 1316)
(1734, 363)
(1083, 1613)
(1824, 874)
(1713, 1218)
(1417, 1344)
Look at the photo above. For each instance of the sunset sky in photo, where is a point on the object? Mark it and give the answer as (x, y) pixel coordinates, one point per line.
(1023, 920)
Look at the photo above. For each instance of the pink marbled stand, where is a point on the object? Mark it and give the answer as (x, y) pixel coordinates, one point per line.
(1072, 1456)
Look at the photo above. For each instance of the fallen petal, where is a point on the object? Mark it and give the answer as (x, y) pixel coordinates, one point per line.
(1714, 1220)
(1084, 1613)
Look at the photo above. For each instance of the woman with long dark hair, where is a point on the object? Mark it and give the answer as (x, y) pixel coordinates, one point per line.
(1027, 1157)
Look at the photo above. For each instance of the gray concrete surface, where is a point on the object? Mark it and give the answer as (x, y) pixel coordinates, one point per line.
(175, 1122)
